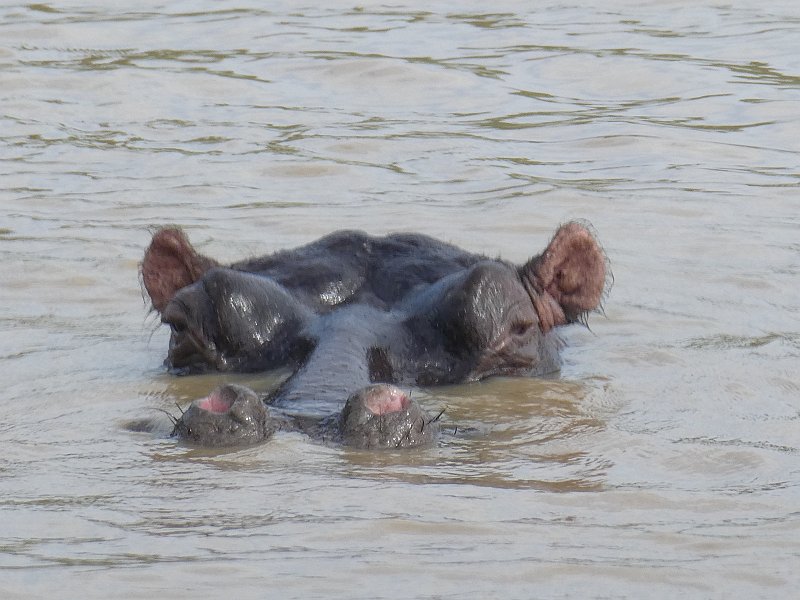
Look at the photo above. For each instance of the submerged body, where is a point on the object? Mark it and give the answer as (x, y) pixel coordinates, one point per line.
(350, 310)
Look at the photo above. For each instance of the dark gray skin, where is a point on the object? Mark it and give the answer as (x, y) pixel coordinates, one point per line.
(232, 415)
(376, 416)
(351, 310)
(383, 416)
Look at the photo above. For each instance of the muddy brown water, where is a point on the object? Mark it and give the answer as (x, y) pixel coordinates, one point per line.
(662, 462)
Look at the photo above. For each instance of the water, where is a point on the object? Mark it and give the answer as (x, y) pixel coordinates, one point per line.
(664, 460)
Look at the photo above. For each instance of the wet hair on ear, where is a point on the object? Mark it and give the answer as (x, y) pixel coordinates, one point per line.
(169, 264)
(570, 278)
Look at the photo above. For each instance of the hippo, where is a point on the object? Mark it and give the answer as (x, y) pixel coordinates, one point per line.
(356, 318)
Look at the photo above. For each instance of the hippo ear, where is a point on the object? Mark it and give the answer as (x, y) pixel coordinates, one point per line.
(572, 270)
(171, 263)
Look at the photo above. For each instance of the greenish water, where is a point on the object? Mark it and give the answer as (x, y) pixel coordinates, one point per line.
(663, 462)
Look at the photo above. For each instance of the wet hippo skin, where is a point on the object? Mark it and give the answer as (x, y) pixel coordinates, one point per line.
(354, 316)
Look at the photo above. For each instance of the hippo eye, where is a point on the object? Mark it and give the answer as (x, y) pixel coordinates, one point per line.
(176, 315)
(521, 328)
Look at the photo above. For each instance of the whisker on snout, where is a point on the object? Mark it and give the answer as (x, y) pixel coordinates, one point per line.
(172, 417)
(439, 416)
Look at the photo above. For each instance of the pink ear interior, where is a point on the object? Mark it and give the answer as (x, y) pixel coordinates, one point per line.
(171, 263)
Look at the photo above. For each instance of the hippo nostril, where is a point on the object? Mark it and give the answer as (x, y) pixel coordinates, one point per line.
(216, 402)
(384, 399)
